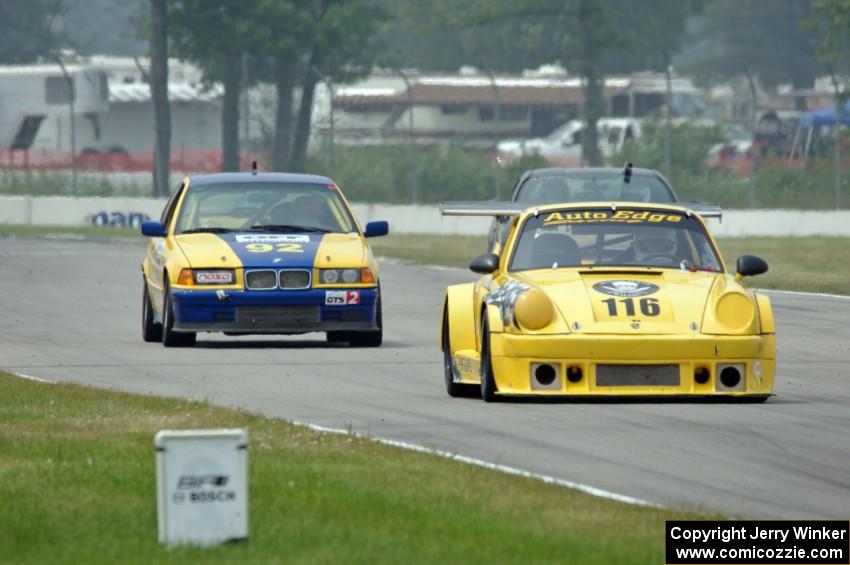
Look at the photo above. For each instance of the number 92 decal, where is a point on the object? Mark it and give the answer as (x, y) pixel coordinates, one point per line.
(278, 247)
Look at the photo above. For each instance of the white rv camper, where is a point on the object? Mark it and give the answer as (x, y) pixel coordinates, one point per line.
(36, 107)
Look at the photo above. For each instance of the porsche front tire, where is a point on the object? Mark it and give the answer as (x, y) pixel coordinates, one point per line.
(151, 331)
(170, 338)
(488, 382)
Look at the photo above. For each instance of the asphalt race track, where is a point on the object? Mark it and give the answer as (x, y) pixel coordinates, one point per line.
(71, 312)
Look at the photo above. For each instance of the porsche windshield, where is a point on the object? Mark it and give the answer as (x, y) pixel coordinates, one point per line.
(264, 206)
(614, 238)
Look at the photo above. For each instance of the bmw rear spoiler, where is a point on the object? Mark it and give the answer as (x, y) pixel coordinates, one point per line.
(496, 208)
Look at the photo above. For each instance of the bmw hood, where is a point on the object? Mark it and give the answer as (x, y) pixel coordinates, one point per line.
(255, 250)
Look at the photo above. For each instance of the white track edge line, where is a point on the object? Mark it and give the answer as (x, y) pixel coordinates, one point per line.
(30, 378)
(801, 293)
(587, 489)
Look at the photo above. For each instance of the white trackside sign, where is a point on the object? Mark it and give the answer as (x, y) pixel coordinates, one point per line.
(202, 486)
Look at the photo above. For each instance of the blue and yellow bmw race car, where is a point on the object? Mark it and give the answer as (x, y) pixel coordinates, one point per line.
(260, 253)
(597, 299)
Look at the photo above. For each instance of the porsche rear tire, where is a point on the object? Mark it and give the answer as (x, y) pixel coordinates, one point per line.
(151, 331)
(488, 382)
(171, 338)
(453, 388)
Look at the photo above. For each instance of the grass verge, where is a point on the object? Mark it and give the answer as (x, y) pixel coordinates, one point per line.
(811, 264)
(77, 485)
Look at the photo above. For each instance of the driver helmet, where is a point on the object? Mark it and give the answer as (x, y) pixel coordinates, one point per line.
(653, 241)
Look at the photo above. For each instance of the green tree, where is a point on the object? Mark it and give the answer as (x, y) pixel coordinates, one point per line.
(765, 39)
(27, 29)
(216, 34)
(281, 40)
(340, 48)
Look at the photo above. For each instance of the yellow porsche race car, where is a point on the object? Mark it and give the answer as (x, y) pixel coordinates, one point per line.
(261, 253)
(598, 299)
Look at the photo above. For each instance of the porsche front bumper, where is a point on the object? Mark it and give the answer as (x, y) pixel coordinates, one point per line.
(615, 365)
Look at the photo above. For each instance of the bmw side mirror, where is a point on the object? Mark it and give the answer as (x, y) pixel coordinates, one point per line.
(377, 229)
(485, 264)
(152, 228)
(750, 265)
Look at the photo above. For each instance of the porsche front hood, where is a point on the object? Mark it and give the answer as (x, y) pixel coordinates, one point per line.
(626, 302)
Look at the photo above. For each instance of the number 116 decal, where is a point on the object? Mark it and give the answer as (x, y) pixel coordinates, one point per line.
(648, 306)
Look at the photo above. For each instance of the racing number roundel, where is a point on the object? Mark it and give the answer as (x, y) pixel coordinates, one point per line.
(625, 288)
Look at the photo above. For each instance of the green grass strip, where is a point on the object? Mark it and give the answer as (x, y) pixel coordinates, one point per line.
(77, 485)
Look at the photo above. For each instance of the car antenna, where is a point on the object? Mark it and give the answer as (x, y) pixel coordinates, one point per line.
(627, 172)
(253, 167)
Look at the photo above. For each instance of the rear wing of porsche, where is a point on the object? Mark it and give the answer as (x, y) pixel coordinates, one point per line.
(496, 208)
(706, 210)
(482, 208)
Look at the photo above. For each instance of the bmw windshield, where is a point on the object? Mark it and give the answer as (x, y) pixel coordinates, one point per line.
(614, 238)
(264, 206)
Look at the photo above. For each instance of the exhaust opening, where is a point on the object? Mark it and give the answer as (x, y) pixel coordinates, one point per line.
(545, 374)
(574, 374)
(701, 375)
(730, 377)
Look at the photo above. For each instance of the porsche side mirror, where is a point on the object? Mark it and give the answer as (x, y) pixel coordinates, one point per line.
(485, 264)
(152, 228)
(377, 229)
(750, 265)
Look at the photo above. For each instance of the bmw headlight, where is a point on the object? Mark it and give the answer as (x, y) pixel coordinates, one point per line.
(350, 276)
(329, 276)
(346, 276)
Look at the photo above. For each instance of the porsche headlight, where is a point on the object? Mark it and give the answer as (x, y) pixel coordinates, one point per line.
(735, 311)
(533, 309)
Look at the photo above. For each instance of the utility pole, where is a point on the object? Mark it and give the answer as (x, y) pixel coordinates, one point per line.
(839, 117)
(159, 97)
(497, 119)
(411, 148)
(668, 123)
(71, 95)
(753, 148)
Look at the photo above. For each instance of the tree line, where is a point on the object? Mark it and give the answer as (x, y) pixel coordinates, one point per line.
(295, 44)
